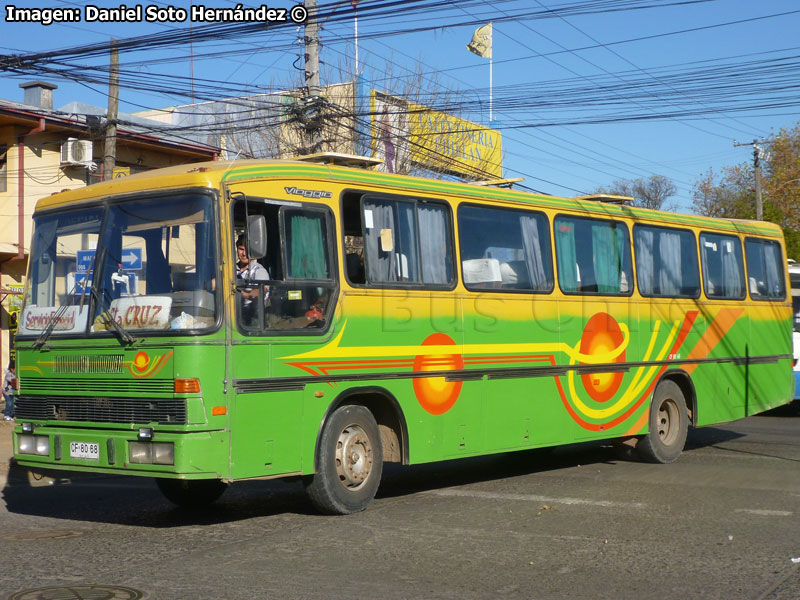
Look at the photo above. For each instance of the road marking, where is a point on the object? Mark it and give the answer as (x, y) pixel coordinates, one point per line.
(734, 454)
(765, 513)
(534, 498)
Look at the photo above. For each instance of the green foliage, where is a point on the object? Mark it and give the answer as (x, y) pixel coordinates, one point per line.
(731, 193)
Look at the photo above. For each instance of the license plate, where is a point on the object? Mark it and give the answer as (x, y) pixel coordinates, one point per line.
(85, 450)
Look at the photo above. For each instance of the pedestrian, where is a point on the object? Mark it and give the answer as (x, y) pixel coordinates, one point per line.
(9, 385)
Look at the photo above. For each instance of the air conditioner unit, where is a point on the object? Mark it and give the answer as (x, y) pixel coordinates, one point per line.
(76, 152)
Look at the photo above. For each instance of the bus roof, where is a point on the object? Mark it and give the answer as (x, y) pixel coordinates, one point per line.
(214, 174)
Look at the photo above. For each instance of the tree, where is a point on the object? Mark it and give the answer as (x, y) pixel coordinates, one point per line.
(782, 181)
(731, 195)
(651, 192)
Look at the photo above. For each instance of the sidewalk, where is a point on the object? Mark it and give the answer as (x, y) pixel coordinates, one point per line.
(6, 450)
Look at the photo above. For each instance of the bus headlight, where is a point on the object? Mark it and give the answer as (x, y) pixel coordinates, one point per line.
(140, 452)
(152, 453)
(163, 453)
(33, 444)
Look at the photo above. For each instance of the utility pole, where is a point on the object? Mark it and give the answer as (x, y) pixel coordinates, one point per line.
(355, 32)
(756, 173)
(312, 121)
(110, 149)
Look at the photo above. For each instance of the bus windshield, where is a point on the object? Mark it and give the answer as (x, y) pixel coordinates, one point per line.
(148, 264)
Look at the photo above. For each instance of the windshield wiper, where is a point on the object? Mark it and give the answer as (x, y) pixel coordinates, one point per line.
(107, 319)
(43, 337)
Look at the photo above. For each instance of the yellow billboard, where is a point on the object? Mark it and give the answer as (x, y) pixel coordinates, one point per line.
(406, 134)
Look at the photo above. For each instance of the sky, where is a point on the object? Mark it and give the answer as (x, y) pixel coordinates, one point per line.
(582, 100)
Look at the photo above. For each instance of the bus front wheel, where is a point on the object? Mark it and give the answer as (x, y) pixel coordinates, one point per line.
(669, 424)
(191, 493)
(349, 462)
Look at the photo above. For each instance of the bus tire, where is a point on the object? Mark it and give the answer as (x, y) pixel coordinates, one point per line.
(669, 425)
(191, 493)
(349, 462)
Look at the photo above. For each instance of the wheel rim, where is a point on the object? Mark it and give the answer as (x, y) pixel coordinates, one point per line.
(668, 422)
(353, 457)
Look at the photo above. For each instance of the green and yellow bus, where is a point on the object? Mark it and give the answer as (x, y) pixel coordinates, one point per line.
(396, 319)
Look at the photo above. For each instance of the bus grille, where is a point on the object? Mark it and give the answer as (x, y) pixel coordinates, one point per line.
(110, 386)
(105, 410)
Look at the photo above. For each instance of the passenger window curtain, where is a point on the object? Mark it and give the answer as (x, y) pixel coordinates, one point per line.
(380, 264)
(532, 243)
(566, 256)
(625, 273)
(406, 254)
(731, 269)
(607, 262)
(645, 267)
(669, 253)
(307, 246)
(434, 242)
(773, 271)
(705, 256)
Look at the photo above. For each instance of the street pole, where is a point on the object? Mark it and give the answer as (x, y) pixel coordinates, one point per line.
(756, 174)
(491, 68)
(311, 119)
(757, 169)
(312, 49)
(110, 148)
(355, 32)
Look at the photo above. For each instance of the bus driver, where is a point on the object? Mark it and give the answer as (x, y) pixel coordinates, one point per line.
(248, 269)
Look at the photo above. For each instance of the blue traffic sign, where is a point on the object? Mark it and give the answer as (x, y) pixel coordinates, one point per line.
(84, 260)
(132, 259)
(82, 285)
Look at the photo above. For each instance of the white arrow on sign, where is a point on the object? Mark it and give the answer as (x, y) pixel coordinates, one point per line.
(131, 259)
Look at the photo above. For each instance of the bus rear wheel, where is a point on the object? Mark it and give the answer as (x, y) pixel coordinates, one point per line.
(191, 493)
(349, 462)
(669, 425)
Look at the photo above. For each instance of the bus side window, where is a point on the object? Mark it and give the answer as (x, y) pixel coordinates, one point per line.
(765, 269)
(505, 249)
(397, 241)
(593, 255)
(666, 262)
(723, 267)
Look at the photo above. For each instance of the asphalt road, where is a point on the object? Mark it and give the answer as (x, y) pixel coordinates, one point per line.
(579, 523)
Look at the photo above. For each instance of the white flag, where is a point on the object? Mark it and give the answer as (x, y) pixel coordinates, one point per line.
(481, 43)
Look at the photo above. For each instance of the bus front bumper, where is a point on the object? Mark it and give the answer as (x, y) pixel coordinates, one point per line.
(142, 451)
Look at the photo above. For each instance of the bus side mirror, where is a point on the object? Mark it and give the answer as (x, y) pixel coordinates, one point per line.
(256, 236)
